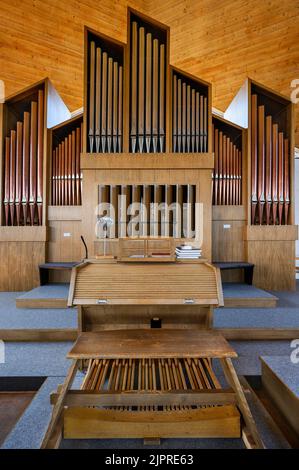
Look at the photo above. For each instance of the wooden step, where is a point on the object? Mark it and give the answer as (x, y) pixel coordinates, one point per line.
(47, 296)
(244, 295)
(280, 379)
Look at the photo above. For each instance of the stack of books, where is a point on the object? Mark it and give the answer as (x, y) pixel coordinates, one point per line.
(187, 252)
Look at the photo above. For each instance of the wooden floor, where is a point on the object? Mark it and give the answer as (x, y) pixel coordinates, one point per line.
(12, 406)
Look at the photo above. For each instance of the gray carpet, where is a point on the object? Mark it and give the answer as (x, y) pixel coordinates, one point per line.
(279, 317)
(239, 290)
(286, 370)
(288, 299)
(12, 317)
(35, 359)
(286, 315)
(49, 291)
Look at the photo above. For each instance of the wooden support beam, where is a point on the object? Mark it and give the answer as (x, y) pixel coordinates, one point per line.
(232, 378)
(58, 408)
(80, 398)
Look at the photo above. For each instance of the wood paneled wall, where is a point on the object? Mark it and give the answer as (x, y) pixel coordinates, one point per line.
(272, 250)
(19, 262)
(64, 238)
(22, 249)
(45, 38)
(228, 244)
(225, 41)
(221, 42)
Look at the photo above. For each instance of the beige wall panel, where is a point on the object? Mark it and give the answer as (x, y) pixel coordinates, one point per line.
(275, 267)
(64, 248)
(228, 245)
(19, 265)
(228, 238)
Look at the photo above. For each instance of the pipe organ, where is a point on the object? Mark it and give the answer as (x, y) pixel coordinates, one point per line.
(189, 115)
(25, 181)
(66, 175)
(227, 174)
(148, 141)
(143, 167)
(269, 232)
(270, 161)
(158, 210)
(148, 57)
(138, 182)
(23, 163)
(135, 101)
(105, 95)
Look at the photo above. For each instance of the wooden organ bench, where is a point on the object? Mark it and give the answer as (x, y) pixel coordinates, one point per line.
(142, 382)
(247, 268)
(45, 268)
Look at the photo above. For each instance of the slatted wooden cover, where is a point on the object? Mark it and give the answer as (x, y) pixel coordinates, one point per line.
(145, 284)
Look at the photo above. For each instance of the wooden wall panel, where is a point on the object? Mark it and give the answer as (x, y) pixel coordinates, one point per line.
(275, 266)
(19, 265)
(51, 31)
(228, 238)
(272, 250)
(228, 243)
(255, 38)
(64, 245)
(223, 42)
(64, 240)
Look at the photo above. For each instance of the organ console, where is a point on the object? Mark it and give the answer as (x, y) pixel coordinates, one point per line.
(144, 382)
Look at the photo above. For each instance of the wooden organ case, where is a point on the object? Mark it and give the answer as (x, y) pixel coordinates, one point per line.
(146, 342)
(65, 194)
(229, 194)
(270, 234)
(24, 118)
(157, 129)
